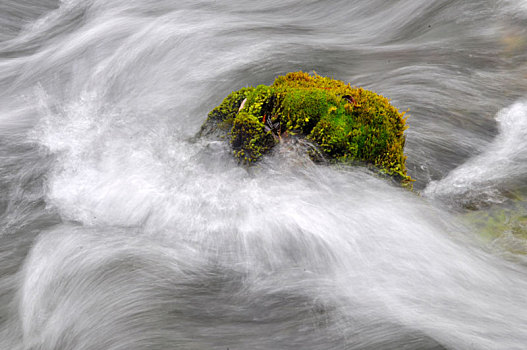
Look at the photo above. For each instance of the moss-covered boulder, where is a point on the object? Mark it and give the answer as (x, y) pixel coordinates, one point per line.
(503, 226)
(347, 124)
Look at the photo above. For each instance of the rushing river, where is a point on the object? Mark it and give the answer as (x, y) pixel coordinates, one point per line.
(119, 230)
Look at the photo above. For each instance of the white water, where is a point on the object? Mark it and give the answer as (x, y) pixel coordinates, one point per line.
(502, 166)
(120, 231)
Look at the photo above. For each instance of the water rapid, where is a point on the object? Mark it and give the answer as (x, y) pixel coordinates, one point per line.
(120, 230)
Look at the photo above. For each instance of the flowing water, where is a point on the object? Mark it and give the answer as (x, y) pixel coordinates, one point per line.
(119, 230)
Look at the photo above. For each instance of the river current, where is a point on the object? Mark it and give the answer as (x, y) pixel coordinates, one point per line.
(120, 230)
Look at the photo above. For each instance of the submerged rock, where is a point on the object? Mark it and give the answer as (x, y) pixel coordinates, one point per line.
(347, 124)
(503, 226)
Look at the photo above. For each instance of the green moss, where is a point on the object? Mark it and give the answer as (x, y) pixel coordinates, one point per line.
(249, 140)
(505, 226)
(498, 219)
(221, 118)
(348, 124)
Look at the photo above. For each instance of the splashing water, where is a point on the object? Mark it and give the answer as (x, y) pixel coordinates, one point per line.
(502, 166)
(119, 230)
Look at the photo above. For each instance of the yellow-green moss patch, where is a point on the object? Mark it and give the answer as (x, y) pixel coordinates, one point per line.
(347, 124)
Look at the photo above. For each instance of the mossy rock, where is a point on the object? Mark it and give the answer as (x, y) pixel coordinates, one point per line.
(347, 124)
(502, 226)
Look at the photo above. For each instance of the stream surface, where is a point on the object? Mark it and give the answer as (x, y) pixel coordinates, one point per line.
(119, 230)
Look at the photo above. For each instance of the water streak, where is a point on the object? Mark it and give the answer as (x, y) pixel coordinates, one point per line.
(119, 230)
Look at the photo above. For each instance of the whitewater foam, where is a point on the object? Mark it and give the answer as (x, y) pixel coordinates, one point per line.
(487, 177)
